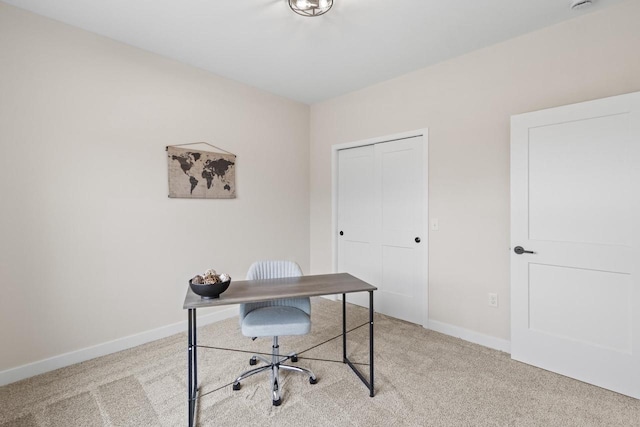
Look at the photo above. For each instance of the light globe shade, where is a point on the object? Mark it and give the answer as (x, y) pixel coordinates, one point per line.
(310, 7)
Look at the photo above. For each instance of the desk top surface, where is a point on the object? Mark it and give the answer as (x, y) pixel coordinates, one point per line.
(287, 287)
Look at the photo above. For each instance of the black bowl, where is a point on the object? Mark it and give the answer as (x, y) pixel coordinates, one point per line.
(209, 291)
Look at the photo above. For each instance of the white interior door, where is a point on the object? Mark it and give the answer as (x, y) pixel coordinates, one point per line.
(381, 224)
(575, 190)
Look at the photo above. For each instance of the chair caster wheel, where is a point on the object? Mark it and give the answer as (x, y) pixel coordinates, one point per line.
(236, 386)
(294, 358)
(277, 402)
(253, 361)
(312, 380)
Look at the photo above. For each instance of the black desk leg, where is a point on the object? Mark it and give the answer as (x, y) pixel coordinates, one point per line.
(344, 328)
(192, 360)
(195, 362)
(371, 390)
(345, 359)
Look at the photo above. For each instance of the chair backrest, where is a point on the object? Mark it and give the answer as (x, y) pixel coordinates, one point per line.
(273, 270)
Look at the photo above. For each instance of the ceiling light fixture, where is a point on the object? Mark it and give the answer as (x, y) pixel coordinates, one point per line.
(310, 7)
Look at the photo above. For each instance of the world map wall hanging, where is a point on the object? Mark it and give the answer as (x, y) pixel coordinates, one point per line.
(197, 174)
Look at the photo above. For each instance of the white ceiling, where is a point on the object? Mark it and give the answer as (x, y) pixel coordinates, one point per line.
(263, 44)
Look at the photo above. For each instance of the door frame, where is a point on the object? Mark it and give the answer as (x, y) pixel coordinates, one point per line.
(424, 135)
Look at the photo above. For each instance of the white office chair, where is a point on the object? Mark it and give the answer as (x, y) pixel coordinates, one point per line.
(288, 316)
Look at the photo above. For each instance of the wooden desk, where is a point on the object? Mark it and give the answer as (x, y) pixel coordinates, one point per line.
(247, 291)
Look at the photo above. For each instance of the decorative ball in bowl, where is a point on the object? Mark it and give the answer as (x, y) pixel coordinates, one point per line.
(210, 285)
(209, 291)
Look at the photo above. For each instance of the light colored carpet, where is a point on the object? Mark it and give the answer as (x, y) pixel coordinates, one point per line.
(422, 379)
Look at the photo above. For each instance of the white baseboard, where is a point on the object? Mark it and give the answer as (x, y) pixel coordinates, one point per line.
(40, 367)
(471, 336)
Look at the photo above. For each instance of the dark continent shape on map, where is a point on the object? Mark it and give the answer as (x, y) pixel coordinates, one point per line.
(196, 156)
(185, 163)
(193, 182)
(206, 174)
(218, 167)
(226, 187)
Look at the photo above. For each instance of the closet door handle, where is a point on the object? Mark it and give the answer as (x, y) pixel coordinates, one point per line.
(417, 239)
(520, 250)
(342, 233)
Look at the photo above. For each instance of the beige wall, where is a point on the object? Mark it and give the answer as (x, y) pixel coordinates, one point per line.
(466, 104)
(91, 247)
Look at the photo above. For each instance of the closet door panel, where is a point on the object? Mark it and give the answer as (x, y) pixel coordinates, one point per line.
(358, 209)
(401, 192)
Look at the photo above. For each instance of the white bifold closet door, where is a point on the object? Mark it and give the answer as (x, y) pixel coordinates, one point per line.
(381, 225)
(575, 236)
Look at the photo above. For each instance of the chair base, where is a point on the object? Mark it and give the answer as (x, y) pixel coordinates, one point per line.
(274, 365)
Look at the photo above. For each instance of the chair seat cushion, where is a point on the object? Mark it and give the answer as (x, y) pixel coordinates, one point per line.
(276, 321)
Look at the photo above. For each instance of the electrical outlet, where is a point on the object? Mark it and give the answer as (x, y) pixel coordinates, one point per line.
(493, 300)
